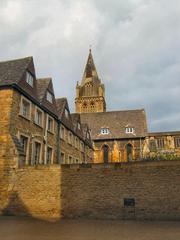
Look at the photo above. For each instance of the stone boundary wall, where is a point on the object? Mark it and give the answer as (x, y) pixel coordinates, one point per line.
(139, 190)
(32, 192)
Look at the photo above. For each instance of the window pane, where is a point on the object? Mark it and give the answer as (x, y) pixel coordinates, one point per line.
(29, 79)
(49, 155)
(49, 97)
(25, 108)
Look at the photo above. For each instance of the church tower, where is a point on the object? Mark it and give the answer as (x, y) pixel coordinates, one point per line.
(90, 94)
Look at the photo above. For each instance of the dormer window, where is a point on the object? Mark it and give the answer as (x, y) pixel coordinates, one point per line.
(129, 130)
(66, 113)
(79, 126)
(104, 131)
(29, 79)
(49, 97)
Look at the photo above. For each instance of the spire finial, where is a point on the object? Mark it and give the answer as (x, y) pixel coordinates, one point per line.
(90, 46)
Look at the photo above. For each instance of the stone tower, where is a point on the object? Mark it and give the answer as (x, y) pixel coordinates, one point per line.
(90, 93)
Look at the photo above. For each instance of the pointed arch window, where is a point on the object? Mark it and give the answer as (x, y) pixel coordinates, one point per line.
(106, 154)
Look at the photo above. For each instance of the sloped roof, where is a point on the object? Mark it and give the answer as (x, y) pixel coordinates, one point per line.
(13, 70)
(42, 85)
(75, 119)
(61, 103)
(161, 134)
(116, 122)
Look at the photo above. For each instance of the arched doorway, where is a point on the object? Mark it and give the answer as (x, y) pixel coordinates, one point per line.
(129, 151)
(106, 154)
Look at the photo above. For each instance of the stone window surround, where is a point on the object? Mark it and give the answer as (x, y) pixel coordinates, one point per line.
(70, 156)
(50, 130)
(160, 143)
(40, 158)
(62, 160)
(42, 121)
(77, 143)
(70, 136)
(28, 145)
(52, 155)
(177, 142)
(21, 105)
(62, 132)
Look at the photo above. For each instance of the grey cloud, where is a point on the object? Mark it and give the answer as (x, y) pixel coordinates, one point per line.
(136, 45)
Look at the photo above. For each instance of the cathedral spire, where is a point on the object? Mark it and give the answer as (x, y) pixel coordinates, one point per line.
(90, 72)
(90, 94)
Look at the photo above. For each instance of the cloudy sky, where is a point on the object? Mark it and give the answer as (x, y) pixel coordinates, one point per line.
(135, 44)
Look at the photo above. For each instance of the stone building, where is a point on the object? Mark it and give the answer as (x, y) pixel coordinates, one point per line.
(76, 145)
(118, 136)
(162, 143)
(31, 120)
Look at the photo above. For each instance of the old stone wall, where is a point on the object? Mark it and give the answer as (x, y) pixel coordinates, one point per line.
(139, 190)
(32, 191)
(100, 191)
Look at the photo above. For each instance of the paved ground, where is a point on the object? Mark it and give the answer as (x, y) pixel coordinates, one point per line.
(13, 228)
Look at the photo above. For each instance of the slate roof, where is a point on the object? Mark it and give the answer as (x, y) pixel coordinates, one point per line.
(42, 85)
(60, 103)
(116, 122)
(161, 134)
(13, 70)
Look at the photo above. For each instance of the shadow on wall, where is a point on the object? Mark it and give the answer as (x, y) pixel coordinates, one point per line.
(15, 206)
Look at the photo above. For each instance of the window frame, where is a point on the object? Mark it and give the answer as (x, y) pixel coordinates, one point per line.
(42, 120)
(52, 154)
(160, 143)
(70, 156)
(27, 160)
(40, 155)
(50, 130)
(177, 142)
(62, 159)
(129, 130)
(105, 131)
(29, 79)
(66, 113)
(23, 99)
(49, 96)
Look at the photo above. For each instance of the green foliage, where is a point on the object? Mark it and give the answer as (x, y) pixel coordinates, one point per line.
(162, 156)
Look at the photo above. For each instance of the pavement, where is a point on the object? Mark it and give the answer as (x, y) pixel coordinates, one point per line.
(21, 228)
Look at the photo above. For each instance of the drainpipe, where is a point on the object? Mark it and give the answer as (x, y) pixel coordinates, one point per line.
(84, 152)
(58, 143)
(140, 149)
(45, 139)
